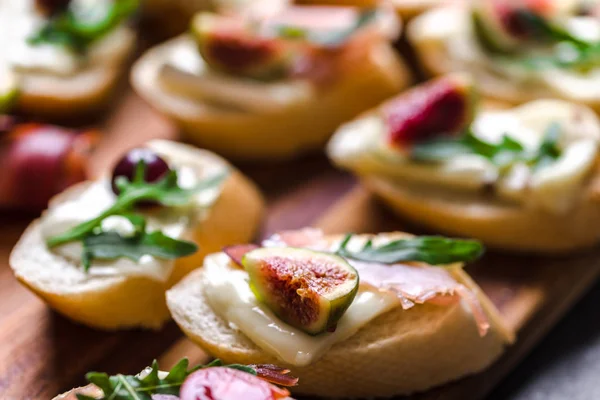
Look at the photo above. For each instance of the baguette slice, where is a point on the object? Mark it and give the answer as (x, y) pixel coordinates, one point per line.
(502, 226)
(431, 33)
(114, 302)
(400, 352)
(84, 93)
(294, 127)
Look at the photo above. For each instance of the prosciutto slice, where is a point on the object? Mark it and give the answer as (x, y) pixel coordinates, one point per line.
(413, 283)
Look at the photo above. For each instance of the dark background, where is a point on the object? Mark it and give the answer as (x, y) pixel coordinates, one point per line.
(566, 364)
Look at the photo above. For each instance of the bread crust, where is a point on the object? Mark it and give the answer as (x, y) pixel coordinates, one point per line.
(436, 61)
(400, 352)
(115, 302)
(272, 135)
(503, 226)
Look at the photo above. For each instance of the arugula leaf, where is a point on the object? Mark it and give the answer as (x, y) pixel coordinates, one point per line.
(77, 28)
(433, 250)
(129, 387)
(111, 245)
(165, 192)
(503, 154)
(330, 38)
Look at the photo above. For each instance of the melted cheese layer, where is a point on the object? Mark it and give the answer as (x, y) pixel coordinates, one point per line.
(229, 294)
(362, 146)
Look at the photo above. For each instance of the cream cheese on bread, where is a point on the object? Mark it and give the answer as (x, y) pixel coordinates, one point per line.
(175, 222)
(20, 20)
(446, 34)
(361, 146)
(229, 294)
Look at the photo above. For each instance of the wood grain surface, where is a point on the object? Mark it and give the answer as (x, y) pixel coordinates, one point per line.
(43, 354)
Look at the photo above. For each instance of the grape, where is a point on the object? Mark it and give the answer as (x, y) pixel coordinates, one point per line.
(156, 167)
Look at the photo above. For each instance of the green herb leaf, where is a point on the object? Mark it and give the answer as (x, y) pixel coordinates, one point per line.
(503, 154)
(77, 28)
(165, 192)
(330, 38)
(433, 250)
(111, 245)
(129, 387)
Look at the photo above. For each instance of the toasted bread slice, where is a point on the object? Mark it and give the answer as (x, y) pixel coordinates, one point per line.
(499, 225)
(113, 302)
(441, 33)
(286, 129)
(399, 352)
(88, 90)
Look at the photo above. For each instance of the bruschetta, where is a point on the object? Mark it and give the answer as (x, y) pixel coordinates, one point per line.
(214, 381)
(275, 87)
(518, 51)
(63, 58)
(523, 178)
(105, 251)
(354, 316)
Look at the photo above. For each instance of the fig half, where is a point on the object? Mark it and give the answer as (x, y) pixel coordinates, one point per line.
(228, 45)
(441, 107)
(307, 289)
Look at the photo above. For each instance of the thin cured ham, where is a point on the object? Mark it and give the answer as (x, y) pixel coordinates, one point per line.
(413, 283)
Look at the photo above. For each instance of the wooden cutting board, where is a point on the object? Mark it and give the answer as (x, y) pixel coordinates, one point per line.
(43, 354)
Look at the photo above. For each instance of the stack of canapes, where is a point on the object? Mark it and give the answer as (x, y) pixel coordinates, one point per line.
(167, 234)
(518, 51)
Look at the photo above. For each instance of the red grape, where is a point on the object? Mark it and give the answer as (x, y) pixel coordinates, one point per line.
(156, 167)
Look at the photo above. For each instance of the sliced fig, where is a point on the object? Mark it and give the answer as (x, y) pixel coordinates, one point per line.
(307, 289)
(222, 383)
(228, 45)
(442, 107)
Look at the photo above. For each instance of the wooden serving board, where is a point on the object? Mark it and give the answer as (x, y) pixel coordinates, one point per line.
(43, 354)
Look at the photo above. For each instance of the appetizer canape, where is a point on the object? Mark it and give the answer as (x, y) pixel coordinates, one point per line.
(62, 58)
(213, 381)
(518, 51)
(274, 87)
(39, 161)
(363, 316)
(105, 251)
(524, 179)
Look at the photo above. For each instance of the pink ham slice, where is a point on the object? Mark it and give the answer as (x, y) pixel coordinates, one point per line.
(414, 283)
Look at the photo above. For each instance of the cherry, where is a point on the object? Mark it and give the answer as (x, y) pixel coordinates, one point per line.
(156, 167)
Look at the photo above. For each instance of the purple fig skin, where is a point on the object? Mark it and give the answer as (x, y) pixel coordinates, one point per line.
(442, 107)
